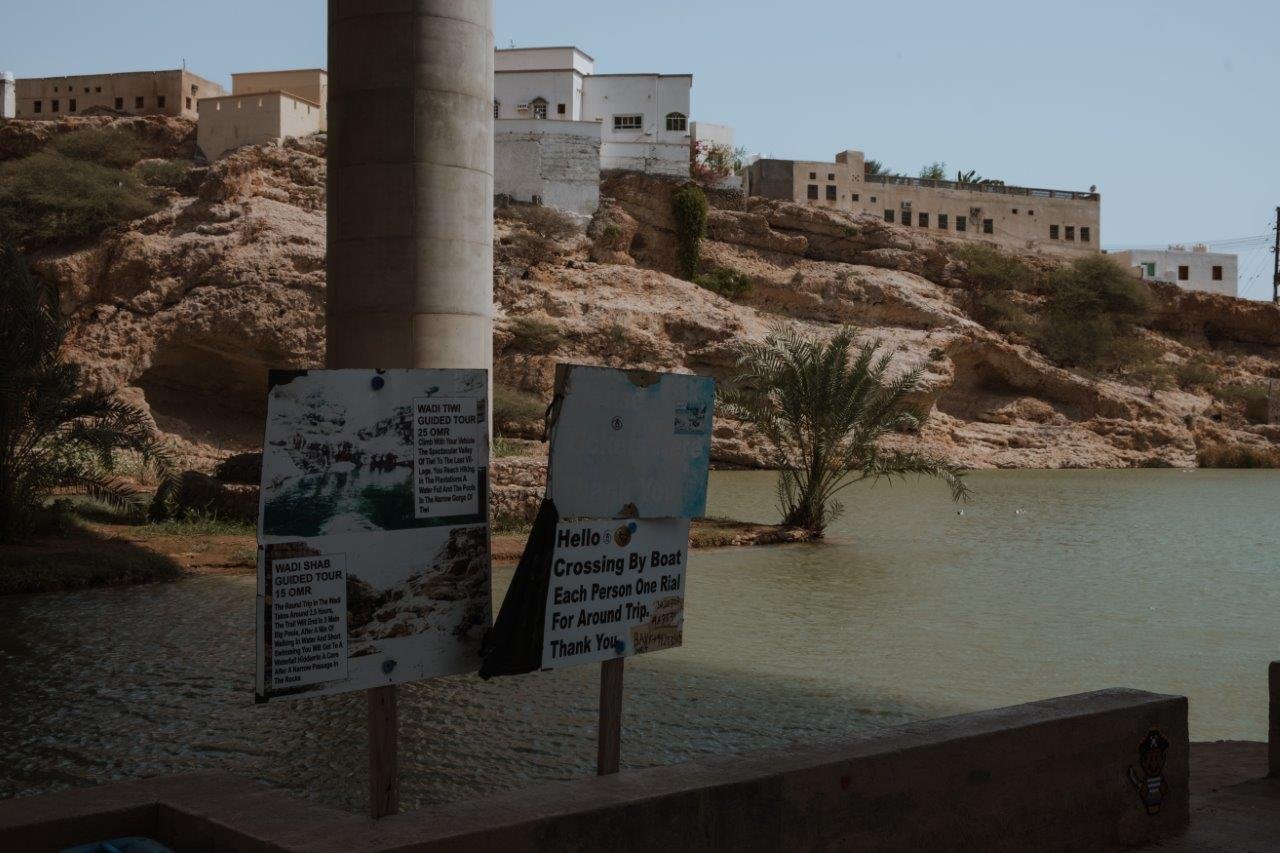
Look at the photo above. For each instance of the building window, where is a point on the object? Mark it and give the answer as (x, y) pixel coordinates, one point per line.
(1031, 213)
(988, 226)
(1184, 273)
(1084, 234)
(160, 102)
(86, 90)
(813, 176)
(138, 103)
(1053, 232)
(942, 221)
(194, 89)
(856, 197)
(831, 176)
(496, 106)
(97, 90)
(560, 109)
(37, 107)
(538, 107)
(813, 192)
(923, 220)
(1217, 273)
(831, 192)
(873, 199)
(189, 105)
(120, 103)
(1015, 211)
(55, 106)
(632, 122)
(962, 224)
(888, 214)
(677, 122)
(71, 105)
(1071, 232)
(1150, 267)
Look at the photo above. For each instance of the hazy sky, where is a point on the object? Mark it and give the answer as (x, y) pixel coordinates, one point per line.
(1169, 106)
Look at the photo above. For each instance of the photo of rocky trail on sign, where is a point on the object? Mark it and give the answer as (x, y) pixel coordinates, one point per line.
(374, 558)
(345, 452)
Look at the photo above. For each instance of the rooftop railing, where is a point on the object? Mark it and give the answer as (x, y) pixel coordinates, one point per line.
(1001, 189)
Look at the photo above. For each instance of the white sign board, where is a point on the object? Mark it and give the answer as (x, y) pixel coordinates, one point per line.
(630, 443)
(616, 589)
(373, 563)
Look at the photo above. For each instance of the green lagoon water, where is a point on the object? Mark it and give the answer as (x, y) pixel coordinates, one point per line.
(1049, 583)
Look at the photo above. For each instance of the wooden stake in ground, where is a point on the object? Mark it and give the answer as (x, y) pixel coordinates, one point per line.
(384, 736)
(610, 745)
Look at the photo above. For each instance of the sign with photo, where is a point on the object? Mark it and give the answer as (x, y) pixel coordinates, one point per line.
(373, 562)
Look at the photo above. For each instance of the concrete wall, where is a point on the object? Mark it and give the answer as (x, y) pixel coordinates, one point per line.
(651, 147)
(1199, 266)
(178, 89)
(311, 84)
(8, 95)
(557, 161)
(1049, 775)
(556, 87)
(1049, 221)
(543, 58)
(228, 122)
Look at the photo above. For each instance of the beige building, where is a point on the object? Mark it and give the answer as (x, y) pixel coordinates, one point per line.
(310, 84)
(170, 93)
(231, 121)
(1056, 221)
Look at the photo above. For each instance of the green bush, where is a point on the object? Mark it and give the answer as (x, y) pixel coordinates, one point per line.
(726, 283)
(1236, 392)
(103, 146)
(1195, 372)
(49, 198)
(513, 406)
(1001, 313)
(690, 208)
(989, 269)
(162, 173)
(535, 336)
(1091, 315)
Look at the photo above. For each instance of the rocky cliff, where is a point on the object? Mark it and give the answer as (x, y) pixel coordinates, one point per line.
(184, 311)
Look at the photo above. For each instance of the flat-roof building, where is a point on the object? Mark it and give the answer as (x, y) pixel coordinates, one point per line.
(261, 118)
(1056, 221)
(1191, 269)
(310, 84)
(644, 118)
(171, 93)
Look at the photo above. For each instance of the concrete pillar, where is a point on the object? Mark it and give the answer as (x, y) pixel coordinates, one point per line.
(8, 95)
(1273, 719)
(410, 264)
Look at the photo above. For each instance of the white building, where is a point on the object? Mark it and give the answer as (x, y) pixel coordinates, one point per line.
(644, 118)
(8, 95)
(1194, 269)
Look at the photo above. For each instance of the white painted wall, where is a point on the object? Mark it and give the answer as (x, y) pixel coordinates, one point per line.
(1199, 268)
(8, 95)
(714, 134)
(542, 59)
(511, 89)
(557, 161)
(651, 148)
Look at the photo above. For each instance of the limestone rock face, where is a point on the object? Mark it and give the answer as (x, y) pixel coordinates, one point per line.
(184, 311)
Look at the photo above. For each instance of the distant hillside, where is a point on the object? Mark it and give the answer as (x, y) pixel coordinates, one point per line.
(183, 310)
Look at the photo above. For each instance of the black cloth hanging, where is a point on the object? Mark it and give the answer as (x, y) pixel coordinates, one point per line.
(514, 645)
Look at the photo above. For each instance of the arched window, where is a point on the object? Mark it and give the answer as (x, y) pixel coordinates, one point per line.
(538, 107)
(496, 107)
(677, 122)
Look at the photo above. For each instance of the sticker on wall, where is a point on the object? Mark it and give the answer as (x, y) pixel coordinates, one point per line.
(1148, 778)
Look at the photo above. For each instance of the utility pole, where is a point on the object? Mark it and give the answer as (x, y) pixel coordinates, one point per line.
(410, 216)
(1275, 276)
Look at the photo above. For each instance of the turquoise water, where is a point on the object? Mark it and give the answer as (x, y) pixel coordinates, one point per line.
(1161, 580)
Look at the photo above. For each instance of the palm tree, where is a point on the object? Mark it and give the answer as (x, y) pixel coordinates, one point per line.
(874, 167)
(972, 177)
(53, 433)
(822, 407)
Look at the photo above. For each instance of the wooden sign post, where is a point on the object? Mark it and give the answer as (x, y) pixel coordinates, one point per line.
(609, 747)
(384, 741)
